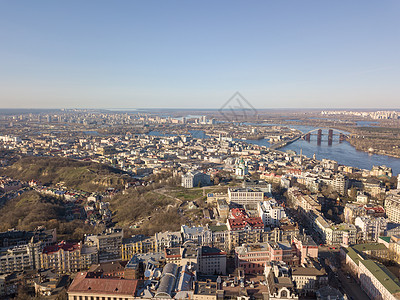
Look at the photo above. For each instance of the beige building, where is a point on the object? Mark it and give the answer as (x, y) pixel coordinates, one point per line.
(392, 206)
(85, 287)
(138, 244)
(245, 196)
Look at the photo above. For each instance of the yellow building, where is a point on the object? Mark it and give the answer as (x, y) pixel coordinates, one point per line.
(138, 244)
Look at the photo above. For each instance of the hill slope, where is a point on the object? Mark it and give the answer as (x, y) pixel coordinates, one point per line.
(87, 176)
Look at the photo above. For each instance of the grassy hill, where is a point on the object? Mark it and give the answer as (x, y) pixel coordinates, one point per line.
(148, 211)
(32, 209)
(87, 176)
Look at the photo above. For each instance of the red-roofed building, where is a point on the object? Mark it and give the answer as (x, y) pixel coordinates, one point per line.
(255, 223)
(63, 257)
(244, 230)
(376, 211)
(238, 213)
(87, 286)
(294, 172)
(68, 257)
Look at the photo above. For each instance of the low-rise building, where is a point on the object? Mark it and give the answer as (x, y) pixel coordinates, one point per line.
(377, 281)
(86, 286)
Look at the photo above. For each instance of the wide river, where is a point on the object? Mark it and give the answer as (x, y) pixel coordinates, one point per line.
(343, 152)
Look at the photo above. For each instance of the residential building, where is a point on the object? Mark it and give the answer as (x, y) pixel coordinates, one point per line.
(137, 244)
(63, 257)
(108, 244)
(340, 184)
(282, 251)
(211, 261)
(392, 206)
(20, 258)
(342, 234)
(199, 235)
(372, 228)
(167, 240)
(309, 277)
(305, 247)
(68, 257)
(270, 212)
(252, 257)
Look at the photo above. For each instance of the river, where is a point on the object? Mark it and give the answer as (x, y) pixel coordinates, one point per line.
(343, 152)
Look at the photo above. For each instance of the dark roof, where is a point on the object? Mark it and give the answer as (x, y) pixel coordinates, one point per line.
(108, 267)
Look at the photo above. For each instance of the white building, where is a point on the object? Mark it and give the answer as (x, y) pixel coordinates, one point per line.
(270, 212)
(241, 168)
(362, 198)
(167, 240)
(191, 180)
(244, 196)
(392, 206)
(343, 234)
(340, 184)
(377, 281)
(372, 228)
(199, 235)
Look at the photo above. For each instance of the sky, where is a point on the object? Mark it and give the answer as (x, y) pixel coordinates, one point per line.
(197, 54)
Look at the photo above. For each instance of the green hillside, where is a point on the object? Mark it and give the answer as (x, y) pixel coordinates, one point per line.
(32, 209)
(87, 176)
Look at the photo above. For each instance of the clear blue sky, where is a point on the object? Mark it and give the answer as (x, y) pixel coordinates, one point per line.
(196, 54)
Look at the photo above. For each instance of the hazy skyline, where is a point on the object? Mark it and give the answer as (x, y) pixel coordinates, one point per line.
(186, 54)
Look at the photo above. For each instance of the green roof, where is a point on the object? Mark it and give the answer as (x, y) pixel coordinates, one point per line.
(369, 247)
(385, 238)
(353, 255)
(218, 228)
(383, 275)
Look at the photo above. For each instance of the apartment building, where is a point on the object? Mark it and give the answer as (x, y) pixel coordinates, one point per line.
(392, 206)
(137, 244)
(211, 261)
(252, 257)
(270, 212)
(68, 257)
(243, 196)
(108, 244)
(371, 228)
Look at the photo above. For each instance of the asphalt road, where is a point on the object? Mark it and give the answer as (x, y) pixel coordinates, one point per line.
(339, 278)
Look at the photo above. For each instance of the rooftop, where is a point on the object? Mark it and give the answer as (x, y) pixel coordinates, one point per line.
(84, 284)
(384, 276)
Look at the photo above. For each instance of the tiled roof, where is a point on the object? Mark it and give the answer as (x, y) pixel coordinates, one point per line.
(111, 286)
(62, 245)
(240, 223)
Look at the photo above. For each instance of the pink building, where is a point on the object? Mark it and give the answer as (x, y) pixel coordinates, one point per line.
(305, 247)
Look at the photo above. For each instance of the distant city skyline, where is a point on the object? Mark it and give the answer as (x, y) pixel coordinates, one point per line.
(196, 55)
